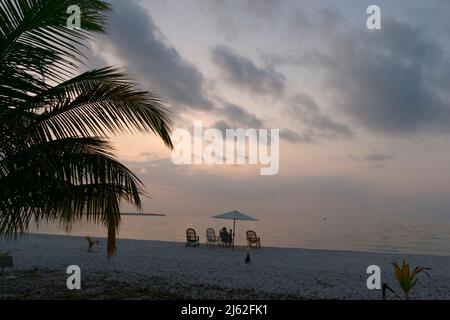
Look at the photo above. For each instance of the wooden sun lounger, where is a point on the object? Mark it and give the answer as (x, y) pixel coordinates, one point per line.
(191, 238)
(252, 239)
(211, 237)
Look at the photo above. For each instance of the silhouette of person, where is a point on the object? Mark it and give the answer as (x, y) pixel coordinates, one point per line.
(225, 236)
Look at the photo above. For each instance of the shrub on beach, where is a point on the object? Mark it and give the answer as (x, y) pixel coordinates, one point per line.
(407, 279)
(4, 253)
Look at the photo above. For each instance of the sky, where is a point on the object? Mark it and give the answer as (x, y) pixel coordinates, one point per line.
(364, 115)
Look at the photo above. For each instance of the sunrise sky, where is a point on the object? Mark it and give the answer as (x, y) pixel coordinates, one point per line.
(364, 115)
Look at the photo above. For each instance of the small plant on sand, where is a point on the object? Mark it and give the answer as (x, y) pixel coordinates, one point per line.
(4, 253)
(405, 278)
(91, 243)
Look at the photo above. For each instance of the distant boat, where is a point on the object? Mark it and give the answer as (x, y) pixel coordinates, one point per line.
(143, 214)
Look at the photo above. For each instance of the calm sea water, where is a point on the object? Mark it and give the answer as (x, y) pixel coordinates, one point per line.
(417, 237)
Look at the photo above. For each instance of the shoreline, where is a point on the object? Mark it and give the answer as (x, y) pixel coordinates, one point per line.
(244, 247)
(202, 243)
(210, 272)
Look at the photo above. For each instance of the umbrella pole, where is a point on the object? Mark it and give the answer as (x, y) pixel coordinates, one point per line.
(234, 227)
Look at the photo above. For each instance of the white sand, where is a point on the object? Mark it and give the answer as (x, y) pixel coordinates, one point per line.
(300, 272)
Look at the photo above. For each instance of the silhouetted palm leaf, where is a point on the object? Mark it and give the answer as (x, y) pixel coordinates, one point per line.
(100, 102)
(55, 162)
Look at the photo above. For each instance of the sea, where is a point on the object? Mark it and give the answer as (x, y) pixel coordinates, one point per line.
(409, 237)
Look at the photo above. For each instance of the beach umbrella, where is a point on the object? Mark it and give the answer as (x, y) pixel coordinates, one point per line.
(234, 215)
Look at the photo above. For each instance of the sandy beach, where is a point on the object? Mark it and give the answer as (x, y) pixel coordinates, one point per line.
(169, 270)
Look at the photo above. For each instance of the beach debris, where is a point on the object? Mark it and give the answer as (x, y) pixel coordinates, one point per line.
(247, 259)
(383, 291)
(91, 243)
(407, 279)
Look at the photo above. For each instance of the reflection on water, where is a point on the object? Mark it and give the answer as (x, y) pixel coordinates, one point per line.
(419, 237)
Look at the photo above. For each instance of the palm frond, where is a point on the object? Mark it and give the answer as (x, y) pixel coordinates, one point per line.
(38, 27)
(55, 162)
(83, 182)
(100, 102)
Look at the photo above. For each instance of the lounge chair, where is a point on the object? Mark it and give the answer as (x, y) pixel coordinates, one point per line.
(191, 238)
(211, 237)
(252, 239)
(225, 238)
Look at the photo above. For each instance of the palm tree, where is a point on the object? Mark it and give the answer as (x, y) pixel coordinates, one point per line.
(55, 160)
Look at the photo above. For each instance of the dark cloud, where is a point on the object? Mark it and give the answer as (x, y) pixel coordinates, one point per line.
(236, 117)
(262, 9)
(222, 126)
(291, 136)
(383, 79)
(243, 73)
(308, 136)
(378, 157)
(317, 124)
(239, 117)
(304, 23)
(311, 58)
(139, 42)
(232, 17)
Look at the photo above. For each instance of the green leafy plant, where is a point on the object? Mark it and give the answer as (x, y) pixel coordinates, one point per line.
(91, 243)
(407, 279)
(4, 253)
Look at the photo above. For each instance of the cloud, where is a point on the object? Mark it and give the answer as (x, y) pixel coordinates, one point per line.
(232, 17)
(236, 117)
(222, 126)
(239, 117)
(330, 195)
(261, 9)
(383, 79)
(378, 157)
(380, 80)
(137, 40)
(307, 136)
(291, 136)
(243, 73)
(317, 124)
(313, 57)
